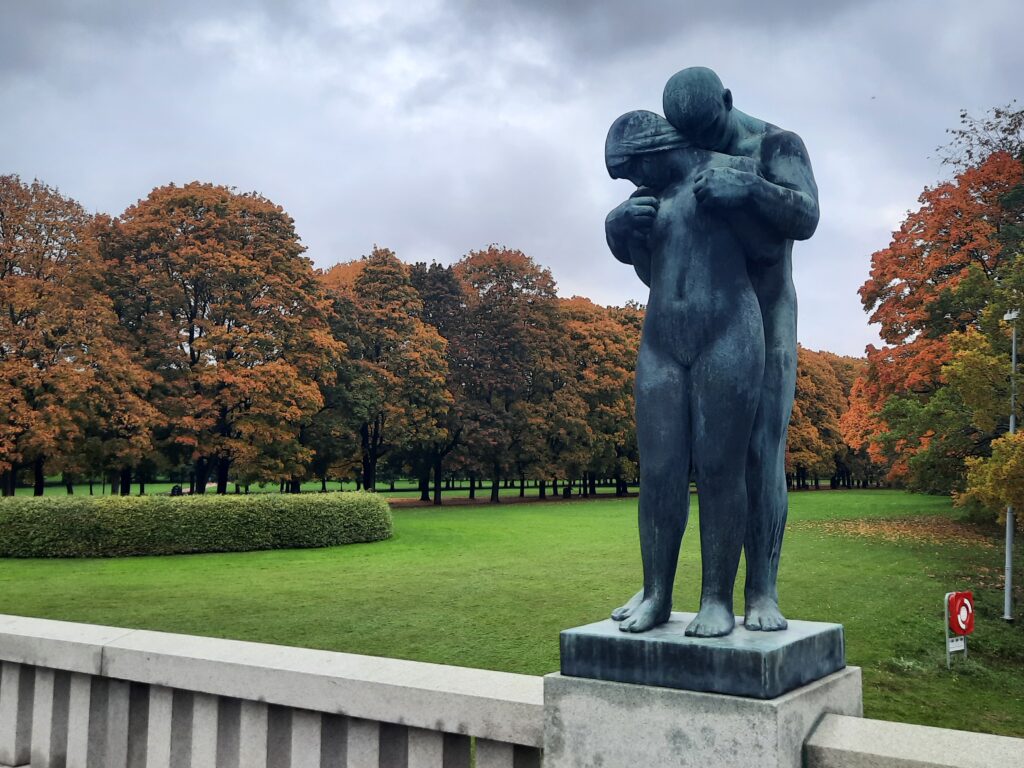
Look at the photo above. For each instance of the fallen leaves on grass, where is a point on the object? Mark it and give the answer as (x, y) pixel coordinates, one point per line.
(925, 529)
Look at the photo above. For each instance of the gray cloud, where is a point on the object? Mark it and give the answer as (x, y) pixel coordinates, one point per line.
(439, 127)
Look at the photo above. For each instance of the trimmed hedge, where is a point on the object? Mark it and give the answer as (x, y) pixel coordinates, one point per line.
(116, 526)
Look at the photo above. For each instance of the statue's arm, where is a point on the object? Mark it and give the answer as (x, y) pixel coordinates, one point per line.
(786, 196)
(626, 228)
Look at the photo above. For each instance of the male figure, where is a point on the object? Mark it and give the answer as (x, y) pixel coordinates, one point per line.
(699, 371)
(781, 193)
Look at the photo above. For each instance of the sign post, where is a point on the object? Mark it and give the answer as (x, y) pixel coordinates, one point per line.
(959, 623)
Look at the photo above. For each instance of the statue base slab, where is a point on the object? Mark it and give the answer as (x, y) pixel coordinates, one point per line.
(760, 665)
(601, 723)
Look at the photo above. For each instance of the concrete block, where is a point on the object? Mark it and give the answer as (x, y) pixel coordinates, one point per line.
(596, 722)
(50, 719)
(117, 717)
(252, 735)
(494, 754)
(158, 732)
(761, 665)
(492, 705)
(363, 745)
(56, 644)
(79, 720)
(17, 684)
(204, 731)
(852, 742)
(426, 749)
(305, 739)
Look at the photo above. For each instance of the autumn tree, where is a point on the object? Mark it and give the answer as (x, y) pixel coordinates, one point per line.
(951, 269)
(515, 358)
(604, 345)
(230, 318)
(443, 298)
(60, 373)
(395, 394)
(814, 442)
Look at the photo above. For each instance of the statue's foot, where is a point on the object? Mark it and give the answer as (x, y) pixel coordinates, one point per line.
(649, 614)
(625, 611)
(712, 620)
(763, 615)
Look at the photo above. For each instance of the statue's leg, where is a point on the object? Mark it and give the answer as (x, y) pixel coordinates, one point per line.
(726, 390)
(766, 486)
(662, 415)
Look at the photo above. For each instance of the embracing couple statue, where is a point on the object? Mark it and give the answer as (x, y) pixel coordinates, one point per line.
(721, 196)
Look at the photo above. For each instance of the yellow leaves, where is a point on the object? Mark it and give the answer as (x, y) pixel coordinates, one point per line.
(997, 481)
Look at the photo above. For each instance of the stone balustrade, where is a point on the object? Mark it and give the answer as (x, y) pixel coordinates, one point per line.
(85, 696)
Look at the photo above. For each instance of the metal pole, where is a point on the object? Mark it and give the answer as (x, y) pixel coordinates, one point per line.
(1008, 594)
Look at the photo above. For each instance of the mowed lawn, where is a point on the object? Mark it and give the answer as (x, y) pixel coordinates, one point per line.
(491, 586)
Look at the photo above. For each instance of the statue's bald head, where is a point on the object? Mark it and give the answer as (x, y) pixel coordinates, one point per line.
(696, 104)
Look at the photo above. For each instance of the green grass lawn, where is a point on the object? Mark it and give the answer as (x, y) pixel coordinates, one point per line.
(491, 587)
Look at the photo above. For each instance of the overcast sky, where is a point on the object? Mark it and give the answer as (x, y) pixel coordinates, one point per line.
(435, 127)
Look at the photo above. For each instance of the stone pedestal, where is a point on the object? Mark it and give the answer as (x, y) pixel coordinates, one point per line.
(618, 725)
(762, 665)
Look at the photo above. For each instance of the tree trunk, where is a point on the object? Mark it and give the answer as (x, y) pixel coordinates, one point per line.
(369, 472)
(142, 485)
(495, 485)
(39, 479)
(542, 490)
(554, 486)
(90, 485)
(323, 484)
(295, 485)
(593, 484)
(69, 484)
(191, 482)
(438, 478)
(424, 483)
(7, 481)
(620, 487)
(567, 489)
(472, 485)
(202, 474)
(126, 481)
(223, 465)
(522, 487)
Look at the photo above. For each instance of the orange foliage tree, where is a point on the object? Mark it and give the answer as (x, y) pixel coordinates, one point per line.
(61, 375)
(395, 393)
(518, 357)
(604, 343)
(229, 315)
(953, 266)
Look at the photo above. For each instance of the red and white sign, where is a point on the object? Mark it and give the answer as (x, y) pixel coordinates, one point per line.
(961, 612)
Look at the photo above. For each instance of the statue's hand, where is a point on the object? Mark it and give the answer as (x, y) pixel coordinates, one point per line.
(723, 187)
(632, 220)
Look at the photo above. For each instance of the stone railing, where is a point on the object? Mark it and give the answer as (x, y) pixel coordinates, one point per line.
(84, 696)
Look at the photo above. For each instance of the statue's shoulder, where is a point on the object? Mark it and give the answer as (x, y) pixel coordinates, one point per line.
(778, 141)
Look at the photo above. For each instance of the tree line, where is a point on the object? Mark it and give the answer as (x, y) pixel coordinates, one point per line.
(932, 404)
(191, 338)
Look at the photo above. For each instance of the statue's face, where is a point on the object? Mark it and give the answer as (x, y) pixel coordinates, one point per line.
(699, 107)
(646, 170)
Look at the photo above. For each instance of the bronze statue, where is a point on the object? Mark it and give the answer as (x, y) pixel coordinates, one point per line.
(721, 196)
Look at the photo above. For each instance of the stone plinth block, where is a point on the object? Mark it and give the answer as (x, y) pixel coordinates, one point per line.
(761, 665)
(601, 723)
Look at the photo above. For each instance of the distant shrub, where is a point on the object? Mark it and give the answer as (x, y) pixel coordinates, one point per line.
(116, 526)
